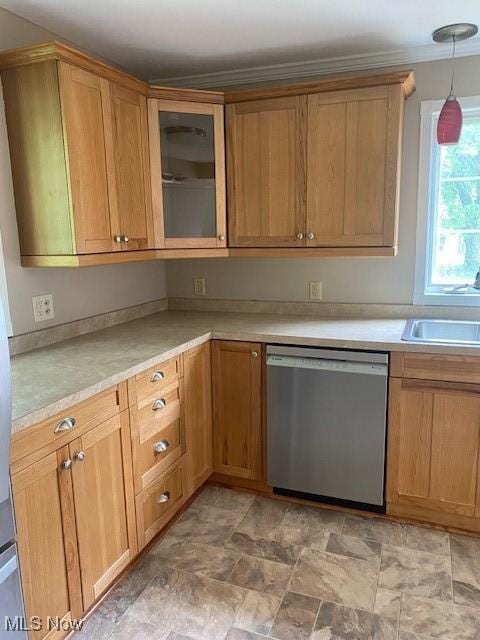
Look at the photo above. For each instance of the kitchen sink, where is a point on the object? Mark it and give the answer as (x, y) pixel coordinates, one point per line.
(442, 331)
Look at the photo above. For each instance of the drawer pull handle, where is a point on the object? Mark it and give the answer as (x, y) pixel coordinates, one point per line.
(80, 456)
(160, 447)
(163, 497)
(65, 425)
(158, 375)
(161, 403)
(66, 464)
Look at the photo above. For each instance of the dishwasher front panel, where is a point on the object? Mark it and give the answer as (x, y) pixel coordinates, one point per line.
(327, 425)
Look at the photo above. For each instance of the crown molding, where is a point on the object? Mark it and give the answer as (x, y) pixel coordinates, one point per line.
(322, 66)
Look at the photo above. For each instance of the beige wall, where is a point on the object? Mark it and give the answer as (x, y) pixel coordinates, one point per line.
(78, 293)
(344, 279)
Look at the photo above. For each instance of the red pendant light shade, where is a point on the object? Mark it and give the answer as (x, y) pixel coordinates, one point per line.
(449, 126)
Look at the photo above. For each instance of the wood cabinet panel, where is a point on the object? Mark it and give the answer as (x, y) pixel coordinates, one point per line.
(46, 541)
(149, 383)
(48, 435)
(434, 446)
(266, 172)
(104, 504)
(188, 187)
(348, 156)
(159, 502)
(198, 415)
(85, 99)
(435, 366)
(132, 172)
(237, 415)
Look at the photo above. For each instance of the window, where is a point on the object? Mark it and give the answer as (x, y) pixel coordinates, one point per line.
(448, 233)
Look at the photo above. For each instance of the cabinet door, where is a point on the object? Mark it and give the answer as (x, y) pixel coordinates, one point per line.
(131, 167)
(187, 160)
(434, 444)
(198, 414)
(266, 172)
(104, 504)
(46, 541)
(86, 111)
(237, 415)
(352, 164)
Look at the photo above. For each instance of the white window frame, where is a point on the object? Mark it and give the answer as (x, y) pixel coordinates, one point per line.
(427, 192)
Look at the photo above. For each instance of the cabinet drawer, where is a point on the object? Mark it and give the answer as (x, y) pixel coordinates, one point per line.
(157, 504)
(156, 447)
(159, 409)
(435, 366)
(58, 431)
(149, 383)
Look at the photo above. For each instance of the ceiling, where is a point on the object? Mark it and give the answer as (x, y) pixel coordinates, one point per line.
(163, 39)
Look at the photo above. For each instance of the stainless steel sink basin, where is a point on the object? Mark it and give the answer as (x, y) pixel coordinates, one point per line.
(442, 331)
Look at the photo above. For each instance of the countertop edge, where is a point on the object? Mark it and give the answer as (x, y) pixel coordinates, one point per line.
(30, 419)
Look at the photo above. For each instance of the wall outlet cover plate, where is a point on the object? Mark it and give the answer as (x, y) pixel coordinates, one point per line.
(43, 307)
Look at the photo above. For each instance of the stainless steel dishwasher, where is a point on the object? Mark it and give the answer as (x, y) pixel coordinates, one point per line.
(326, 422)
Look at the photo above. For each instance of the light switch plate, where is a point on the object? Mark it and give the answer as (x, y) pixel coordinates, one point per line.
(315, 290)
(43, 307)
(199, 286)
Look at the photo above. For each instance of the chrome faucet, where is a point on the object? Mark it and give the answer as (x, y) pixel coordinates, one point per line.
(476, 284)
(463, 288)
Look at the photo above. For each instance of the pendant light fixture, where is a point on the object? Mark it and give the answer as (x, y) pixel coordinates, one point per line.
(449, 126)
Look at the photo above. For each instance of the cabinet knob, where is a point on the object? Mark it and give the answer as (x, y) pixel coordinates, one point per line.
(125, 238)
(80, 456)
(66, 464)
(65, 425)
(310, 236)
(254, 354)
(163, 497)
(161, 403)
(117, 238)
(158, 375)
(221, 237)
(299, 236)
(161, 446)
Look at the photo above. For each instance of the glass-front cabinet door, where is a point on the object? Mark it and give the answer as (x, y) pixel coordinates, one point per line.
(187, 158)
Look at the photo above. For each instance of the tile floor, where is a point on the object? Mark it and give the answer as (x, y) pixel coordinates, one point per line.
(240, 567)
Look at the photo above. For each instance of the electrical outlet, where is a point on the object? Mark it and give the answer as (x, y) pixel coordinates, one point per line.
(315, 290)
(43, 307)
(199, 286)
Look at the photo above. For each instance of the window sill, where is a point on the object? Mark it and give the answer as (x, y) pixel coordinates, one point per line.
(448, 299)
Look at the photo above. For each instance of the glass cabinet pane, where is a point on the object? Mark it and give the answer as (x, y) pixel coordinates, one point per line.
(188, 174)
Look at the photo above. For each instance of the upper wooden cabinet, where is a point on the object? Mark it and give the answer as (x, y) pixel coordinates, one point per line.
(79, 146)
(352, 167)
(187, 159)
(317, 167)
(266, 172)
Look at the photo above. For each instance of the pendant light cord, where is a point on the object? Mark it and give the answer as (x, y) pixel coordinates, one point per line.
(454, 40)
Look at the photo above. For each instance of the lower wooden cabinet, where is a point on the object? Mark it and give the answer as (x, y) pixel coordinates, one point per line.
(159, 502)
(237, 408)
(198, 415)
(47, 542)
(104, 505)
(433, 452)
(74, 508)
